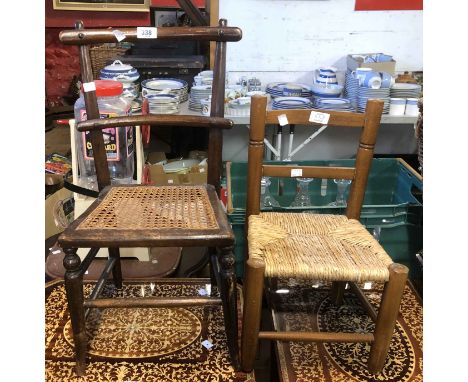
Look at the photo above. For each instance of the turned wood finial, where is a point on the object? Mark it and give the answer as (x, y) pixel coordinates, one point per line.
(71, 260)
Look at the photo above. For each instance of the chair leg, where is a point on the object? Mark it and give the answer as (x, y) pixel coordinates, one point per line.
(213, 269)
(253, 291)
(387, 316)
(337, 292)
(117, 269)
(228, 290)
(75, 299)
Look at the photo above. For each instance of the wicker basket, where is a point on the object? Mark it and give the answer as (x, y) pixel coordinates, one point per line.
(100, 54)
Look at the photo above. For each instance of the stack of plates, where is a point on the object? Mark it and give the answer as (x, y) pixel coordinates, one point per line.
(339, 104)
(136, 106)
(163, 103)
(197, 93)
(171, 86)
(351, 89)
(291, 103)
(367, 93)
(401, 90)
(275, 89)
(203, 78)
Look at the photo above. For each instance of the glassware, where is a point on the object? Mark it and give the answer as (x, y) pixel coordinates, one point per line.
(266, 199)
(302, 197)
(342, 185)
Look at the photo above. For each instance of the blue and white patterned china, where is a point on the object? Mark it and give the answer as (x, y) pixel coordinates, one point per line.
(403, 90)
(275, 89)
(326, 76)
(372, 80)
(339, 104)
(291, 103)
(387, 80)
(326, 91)
(172, 86)
(118, 71)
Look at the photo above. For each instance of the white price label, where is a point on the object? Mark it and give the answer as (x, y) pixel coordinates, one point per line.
(170, 181)
(119, 35)
(89, 86)
(296, 172)
(202, 292)
(207, 344)
(147, 32)
(367, 285)
(283, 120)
(317, 117)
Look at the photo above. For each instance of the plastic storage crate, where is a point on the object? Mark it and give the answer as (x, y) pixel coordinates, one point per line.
(391, 202)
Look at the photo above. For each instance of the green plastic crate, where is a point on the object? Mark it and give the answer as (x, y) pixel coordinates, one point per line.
(390, 202)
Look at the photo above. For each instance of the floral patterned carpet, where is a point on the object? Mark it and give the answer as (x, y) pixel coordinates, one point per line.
(147, 345)
(307, 308)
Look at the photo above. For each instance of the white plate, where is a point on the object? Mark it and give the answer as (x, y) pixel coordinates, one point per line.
(404, 86)
(163, 84)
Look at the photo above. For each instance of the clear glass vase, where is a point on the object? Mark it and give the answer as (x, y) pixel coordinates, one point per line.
(302, 198)
(341, 187)
(266, 199)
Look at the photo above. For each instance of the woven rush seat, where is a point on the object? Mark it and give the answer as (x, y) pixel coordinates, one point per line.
(151, 215)
(317, 247)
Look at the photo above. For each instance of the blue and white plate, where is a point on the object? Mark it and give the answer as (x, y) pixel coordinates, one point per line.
(291, 103)
(275, 89)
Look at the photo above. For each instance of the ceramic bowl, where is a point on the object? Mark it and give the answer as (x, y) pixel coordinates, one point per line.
(328, 90)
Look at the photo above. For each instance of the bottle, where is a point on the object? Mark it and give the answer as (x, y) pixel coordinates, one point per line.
(118, 141)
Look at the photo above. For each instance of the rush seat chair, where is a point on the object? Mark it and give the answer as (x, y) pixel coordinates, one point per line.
(326, 247)
(146, 215)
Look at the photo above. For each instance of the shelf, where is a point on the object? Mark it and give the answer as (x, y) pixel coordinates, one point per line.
(245, 120)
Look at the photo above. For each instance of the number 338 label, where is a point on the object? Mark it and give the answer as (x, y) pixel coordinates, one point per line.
(147, 32)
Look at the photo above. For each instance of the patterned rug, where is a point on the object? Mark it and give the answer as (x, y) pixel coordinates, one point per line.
(309, 308)
(147, 344)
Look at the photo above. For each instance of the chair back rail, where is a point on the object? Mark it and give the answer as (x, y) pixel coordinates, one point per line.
(156, 120)
(260, 117)
(98, 36)
(220, 34)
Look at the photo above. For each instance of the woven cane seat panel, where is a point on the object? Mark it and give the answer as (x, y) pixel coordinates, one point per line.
(316, 247)
(151, 207)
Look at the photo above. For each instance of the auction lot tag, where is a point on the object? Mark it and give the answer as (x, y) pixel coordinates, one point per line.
(89, 86)
(317, 117)
(283, 120)
(207, 344)
(147, 32)
(296, 172)
(119, 35)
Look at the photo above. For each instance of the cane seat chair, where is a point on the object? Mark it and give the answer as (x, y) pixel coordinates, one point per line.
(326, 247)
(147, 215)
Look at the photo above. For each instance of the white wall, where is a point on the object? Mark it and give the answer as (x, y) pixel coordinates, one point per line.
(285, 40)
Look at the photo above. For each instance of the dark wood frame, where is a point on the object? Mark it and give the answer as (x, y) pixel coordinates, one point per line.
(220, 241)
(255, 268)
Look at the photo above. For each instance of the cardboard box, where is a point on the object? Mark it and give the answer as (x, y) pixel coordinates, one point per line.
(353, 61)
(157, 176)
